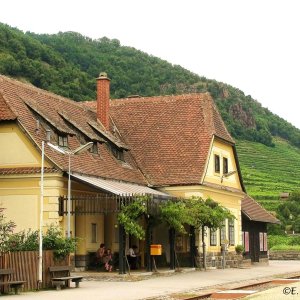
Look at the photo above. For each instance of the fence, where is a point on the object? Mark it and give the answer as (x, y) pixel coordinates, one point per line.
(25, 265)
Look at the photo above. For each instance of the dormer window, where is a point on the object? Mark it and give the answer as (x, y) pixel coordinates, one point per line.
(94, 148)
(117, 152)
(217, 163)
(63, 141)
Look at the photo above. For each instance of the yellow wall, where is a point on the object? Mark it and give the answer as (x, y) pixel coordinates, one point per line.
(20, 196)
(223, 150)
(84, 232)
(16, 149)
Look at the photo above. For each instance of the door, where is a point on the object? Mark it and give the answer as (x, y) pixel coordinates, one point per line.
(254, 246)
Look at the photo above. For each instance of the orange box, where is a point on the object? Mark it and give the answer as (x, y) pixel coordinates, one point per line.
(155, 250)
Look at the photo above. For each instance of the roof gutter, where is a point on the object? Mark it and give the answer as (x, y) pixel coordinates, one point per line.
(207, 159)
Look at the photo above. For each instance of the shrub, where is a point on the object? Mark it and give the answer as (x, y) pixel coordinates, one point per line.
(62, 246)
(239, 249)
(52, 240)
(6, 229)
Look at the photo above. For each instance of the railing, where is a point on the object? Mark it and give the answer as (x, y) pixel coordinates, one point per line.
(105, 203)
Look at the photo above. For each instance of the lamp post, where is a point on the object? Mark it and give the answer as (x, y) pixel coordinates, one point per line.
(69, 153)
(40, 275)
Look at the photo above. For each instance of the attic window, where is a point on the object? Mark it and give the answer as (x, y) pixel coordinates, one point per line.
(217, 163)
(225, 165)
(63, 141)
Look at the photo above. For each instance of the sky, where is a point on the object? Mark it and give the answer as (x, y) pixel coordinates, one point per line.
(253, 45)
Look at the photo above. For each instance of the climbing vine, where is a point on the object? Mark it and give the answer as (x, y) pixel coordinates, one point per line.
(129, 215)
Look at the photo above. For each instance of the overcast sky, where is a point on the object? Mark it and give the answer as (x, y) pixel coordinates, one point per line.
(250, 44)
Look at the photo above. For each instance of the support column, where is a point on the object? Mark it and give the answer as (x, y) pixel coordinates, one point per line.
(172, 248)
(122, 245)
(192, 246)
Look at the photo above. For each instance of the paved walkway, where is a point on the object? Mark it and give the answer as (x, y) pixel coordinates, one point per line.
(165, 286)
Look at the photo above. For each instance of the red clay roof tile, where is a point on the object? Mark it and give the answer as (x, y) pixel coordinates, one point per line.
(6, 113)
(256, 212)
(104, 164)
(26, 170)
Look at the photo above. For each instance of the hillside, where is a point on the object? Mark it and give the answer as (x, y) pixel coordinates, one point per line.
(68, 63)
(267, 172)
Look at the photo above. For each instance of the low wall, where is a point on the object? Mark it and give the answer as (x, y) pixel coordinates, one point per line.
(216, 260)
(284, 255)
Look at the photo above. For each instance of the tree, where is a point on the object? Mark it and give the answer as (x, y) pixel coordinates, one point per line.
(195, 212)
(207, 213)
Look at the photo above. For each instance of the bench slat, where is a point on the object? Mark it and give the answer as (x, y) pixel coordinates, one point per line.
(60, 268)
(12, 282)
(67, 278)
(6, 271)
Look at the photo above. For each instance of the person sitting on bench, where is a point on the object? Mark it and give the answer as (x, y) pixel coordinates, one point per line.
(100, 255)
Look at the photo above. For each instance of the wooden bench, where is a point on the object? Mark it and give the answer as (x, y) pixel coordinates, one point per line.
(5, 280)
(60, 276)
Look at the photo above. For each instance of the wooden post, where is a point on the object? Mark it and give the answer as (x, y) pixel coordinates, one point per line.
(122, 241)
(192, 246)
(203, 247)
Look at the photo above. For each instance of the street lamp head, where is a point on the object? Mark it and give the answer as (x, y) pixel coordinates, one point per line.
(227, 175)
(57, 148)
(79, 150)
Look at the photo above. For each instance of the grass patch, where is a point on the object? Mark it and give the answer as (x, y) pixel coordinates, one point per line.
(286, 248)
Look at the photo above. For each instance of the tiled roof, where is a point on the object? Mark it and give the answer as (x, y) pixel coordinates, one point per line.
(30, 103)
(256, 212)
(6, 113)
(169, 136)
(26, 170)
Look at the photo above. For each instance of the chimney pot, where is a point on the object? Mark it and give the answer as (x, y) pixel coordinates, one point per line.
(103, 75)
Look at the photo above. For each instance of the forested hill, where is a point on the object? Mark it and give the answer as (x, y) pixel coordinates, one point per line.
(68, 63)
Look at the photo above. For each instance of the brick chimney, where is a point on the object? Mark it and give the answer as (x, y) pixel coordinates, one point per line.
(103, 95)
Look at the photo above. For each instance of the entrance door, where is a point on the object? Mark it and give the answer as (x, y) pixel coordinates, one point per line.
(254, 246)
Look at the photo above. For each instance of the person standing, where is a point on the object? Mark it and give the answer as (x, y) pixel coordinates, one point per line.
(133, 257)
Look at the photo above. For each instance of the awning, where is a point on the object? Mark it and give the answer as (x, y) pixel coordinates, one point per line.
(117, 187)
